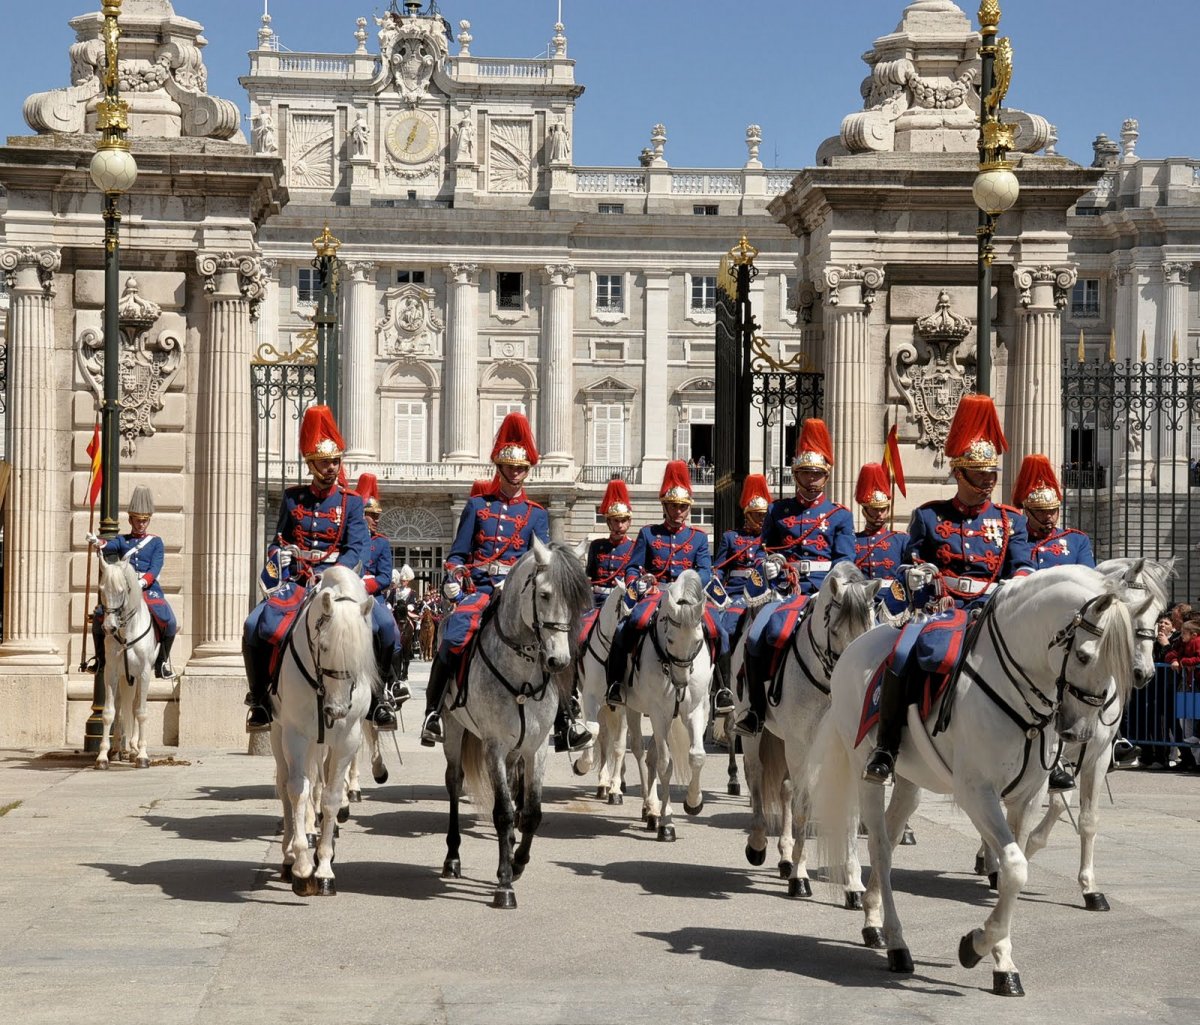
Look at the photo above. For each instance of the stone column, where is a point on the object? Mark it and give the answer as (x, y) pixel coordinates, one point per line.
(360, 419)
(1173, 445)
(849, 389)
(266, 328)
(33, 552)
(657, 440)
(460, 385)
(558, 365)
(1035, 421)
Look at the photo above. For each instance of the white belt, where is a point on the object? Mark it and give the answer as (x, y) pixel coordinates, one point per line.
(969, 585)
(805, 566)
(601, 588)
(497, 569)
(738, 573)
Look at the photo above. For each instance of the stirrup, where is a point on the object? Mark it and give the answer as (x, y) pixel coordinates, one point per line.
(384, 719)
(879, 767)
(576, 737)
(400, 693)
(1061, 779)
(164, 671)
(431, 730)
(749, 725)
(258, 720)
(614, 697)
(723, 702)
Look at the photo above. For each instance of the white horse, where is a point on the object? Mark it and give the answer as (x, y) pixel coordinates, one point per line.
(1145, 583)
(1039, 663)
(326, 675)
(610, 726)
(129, 649)
(669, 672)
(840, 611)
(497, 723)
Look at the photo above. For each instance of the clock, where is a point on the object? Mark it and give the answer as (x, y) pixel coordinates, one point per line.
(412, 137)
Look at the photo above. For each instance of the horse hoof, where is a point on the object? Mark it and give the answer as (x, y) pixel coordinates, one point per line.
(343, 815)
(799, 888)
(980, 865)
(304, 887)
(578, 770)
(143, 763)
(908, 838)
(616, 797)
(651, 821)
(966, 952)
(504, 899)
(993, 880)
(785, 870)
(900, 961)
(336, 831)
(602, 793)
(854, 901)
(734, 789)
(380, 776)
(1007, 984)
(693, 809)
(452, 869)
(354, 796)
(285, 873)
(325, 888)
(873, 938)
(101, 765)
(666, 834)
(755, 858)
(1095, 902)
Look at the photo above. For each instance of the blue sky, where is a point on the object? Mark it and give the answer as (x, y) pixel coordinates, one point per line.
(707, 68)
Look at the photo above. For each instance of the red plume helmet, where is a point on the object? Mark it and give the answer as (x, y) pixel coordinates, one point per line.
(814, 447)
(319, 434)
(756, 495)
(514, 442)
(873, 487)
(615, 501)
(368, 490)
(676, 483)
(1037, 484)
(975, 440)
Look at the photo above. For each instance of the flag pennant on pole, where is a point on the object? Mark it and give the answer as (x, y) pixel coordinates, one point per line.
(891, 460)
(97, 477)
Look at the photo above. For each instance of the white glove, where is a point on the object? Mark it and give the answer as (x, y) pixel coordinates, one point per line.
(144, 585)
(771, 569)
(451, 589)
(285, 558)
(641, 586)
(94, 541)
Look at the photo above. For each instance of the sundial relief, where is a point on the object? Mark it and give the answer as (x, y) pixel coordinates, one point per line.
(932, 387)
(149, 361)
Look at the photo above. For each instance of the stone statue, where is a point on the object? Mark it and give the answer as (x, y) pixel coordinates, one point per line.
(387, 35)
(464, 140)
(560, 143)
(265, 139)
(360, 135)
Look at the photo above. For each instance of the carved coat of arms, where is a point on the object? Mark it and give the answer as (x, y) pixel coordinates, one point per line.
(410, 50)
(411, 325)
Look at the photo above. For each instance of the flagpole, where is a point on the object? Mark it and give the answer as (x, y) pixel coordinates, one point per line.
(891, 479)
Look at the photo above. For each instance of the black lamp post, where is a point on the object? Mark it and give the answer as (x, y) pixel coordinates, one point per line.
(995, 189)
(328, 269)
(113, 171)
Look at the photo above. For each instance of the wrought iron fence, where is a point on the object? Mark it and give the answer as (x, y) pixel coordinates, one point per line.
(782, 400)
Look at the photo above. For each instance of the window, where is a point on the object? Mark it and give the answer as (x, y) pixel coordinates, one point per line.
(510, 290)
(1085, 298)
(704, 293)
(308, 285)
(705, 209)
(610, 297)
(701, 516)
(694, 439)
(502, 410)
(410, 432)
(612, 208)
(608, 435)
(410, 277)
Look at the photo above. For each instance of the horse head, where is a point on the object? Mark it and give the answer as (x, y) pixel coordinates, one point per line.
(553, 592)
(1144, 583)
(845, 606)
(681, 622)
(338, 631)
(118, 584)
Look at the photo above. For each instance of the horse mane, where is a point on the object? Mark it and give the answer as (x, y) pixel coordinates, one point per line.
(347, 635)
(856, 606)
(1155, 578)
(691, 600)
(1115, 647)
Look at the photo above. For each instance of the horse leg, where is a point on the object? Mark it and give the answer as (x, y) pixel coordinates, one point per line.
(531, 808)
(281, 778)
(503, 819)
(756, 841)
(732, 787)
(906, 798)
(641, 752)
(1091, 783)
(452, 747)
(341, 754)
(881, 922)
(299, 791)
(693, 801)
(661, 727)
(109, 713)
(140, 715)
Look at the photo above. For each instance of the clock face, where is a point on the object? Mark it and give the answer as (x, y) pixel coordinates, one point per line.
(412, 137)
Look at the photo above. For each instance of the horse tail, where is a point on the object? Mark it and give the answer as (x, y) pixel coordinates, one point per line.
(772, 759)
(476, 777)
(835, 800)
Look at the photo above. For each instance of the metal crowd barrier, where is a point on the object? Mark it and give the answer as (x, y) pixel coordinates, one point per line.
(1165, 713)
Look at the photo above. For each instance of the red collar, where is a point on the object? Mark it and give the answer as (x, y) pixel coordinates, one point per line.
(808, 505)
(969, 510)
(322, 494)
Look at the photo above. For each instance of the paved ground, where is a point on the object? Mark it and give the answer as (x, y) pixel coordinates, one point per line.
(154, 896)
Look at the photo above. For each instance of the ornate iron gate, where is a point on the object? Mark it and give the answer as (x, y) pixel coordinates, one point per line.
(1131, 432)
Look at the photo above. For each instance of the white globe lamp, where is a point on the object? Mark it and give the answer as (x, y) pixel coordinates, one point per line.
(996, 189)
(113, 170)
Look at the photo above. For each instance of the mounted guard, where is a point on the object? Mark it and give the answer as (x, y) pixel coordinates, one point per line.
(608, 557)
(1039, 496)
(321, 524)
(878, 550)
(377, 578)
(739, 549)
(144, 552)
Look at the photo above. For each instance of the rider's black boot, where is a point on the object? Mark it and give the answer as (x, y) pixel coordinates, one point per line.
(614, 669)
(162, 665)
(570, 734)
(723, 702)
(400, 690)
(431, 729)
(754, 672)
(1061, 779)
(98, 639)
(893, 707)
(258, 676)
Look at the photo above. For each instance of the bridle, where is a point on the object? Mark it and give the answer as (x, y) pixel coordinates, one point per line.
(117, 618)
(319, 674)
(667, 659)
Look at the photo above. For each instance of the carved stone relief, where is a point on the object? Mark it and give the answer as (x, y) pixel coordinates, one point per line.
(510, 155)
(410, 51)
(412, 325)
(310, 151)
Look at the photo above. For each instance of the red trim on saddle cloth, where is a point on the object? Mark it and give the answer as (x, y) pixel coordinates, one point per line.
(643, 614)
(289, 604)
(587, 623)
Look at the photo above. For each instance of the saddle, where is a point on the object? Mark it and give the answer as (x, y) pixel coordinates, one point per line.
(769, 636)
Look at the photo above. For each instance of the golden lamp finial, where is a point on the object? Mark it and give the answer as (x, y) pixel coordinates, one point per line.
(326, 244)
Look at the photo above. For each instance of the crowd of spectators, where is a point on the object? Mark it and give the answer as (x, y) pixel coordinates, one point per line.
(1155, 720)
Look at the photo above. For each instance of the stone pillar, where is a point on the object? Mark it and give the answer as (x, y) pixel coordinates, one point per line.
(266, 328)
(360, 419)
(657, 439)
(1035, 421)
(1173, 444)
(33, 553)
(850, 391)
(460, 386)
(558, 365)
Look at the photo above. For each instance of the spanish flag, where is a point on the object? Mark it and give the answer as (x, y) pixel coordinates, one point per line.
(891, 460)
(97, 478)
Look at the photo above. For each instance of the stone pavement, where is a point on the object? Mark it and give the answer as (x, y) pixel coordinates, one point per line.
(154, 896)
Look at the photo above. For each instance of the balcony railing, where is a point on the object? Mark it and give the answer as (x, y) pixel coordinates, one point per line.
(702, 474)
(1085, 478)
(599, 474)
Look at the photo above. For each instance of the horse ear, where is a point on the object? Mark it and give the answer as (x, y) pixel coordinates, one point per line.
(1134, 571)
(1104, 602)
(326, 598)
(873, 588)
(1140, 610)
(541, 551)
(835, 585)
(581, 550)
(367, 606)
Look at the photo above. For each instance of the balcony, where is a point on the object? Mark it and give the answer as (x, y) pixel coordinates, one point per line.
(1084, 478)
(599, 474)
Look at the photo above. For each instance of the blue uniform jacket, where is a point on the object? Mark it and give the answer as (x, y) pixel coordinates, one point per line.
(147, 561)
(606, 564)
(880, 554)
(821, 531)
(331, 522)
(493, 534)
(377, 566)
(666, 555)
(1068, 547)
(736, 555)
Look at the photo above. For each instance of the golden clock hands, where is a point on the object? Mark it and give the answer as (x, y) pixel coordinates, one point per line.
(412, 135)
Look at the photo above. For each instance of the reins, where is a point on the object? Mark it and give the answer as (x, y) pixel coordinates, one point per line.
(116, 630)
(317, 682)
(666, 659)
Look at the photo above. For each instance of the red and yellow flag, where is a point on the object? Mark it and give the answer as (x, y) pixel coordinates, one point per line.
(891, 459)
(97, 477)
